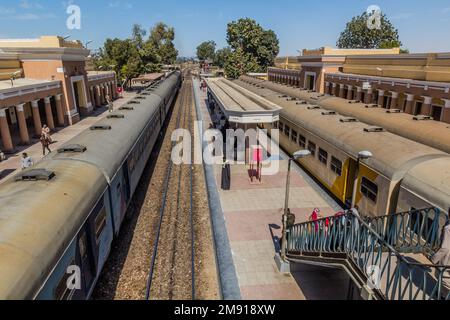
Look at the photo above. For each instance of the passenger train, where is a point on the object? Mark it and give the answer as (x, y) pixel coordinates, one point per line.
(402, 174)
(58, 220)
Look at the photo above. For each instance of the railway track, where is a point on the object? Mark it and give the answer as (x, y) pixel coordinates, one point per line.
(165, 249)
(173, 257)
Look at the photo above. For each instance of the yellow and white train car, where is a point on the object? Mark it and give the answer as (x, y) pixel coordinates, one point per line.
(335, 141)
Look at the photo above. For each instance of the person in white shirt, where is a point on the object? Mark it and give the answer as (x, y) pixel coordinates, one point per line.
(26, 161)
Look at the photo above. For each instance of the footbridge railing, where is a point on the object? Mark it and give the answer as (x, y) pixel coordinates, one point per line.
(387, 254)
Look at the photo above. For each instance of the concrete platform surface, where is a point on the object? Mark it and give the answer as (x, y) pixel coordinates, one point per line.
(253, 212)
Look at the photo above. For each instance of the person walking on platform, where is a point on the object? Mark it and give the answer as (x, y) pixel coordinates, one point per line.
(46, 132)
(110, 103)
(442, 258)
(45, 144)
(27, 161)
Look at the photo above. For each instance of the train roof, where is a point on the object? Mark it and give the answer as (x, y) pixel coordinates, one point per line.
(432, 133)
(38, 220)
(431, 180)
(393, 155)
(107, 148)
(163, 88)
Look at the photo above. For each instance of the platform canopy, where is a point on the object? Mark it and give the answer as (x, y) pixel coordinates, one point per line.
(239, 105)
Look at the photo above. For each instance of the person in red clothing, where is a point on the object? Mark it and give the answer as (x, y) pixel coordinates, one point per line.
(315, 216)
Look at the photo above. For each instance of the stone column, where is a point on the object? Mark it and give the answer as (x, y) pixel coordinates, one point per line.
(409, 103)
(327, 88)
(426, 107)
(111, 90)
(24, 136)
(369, 96)
(59, 110)
(91, 93)
(36, 118)
(103, 94)
(341, 90)
(333, 89)
(114, 86)
(380, 98)
(394, 100)
(349, 92)
(358, 93)
(446, 111)
(5, 133)
(49, 114)
(98, 101)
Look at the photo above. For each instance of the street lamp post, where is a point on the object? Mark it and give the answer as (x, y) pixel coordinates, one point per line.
(298, 155)
(363, 155)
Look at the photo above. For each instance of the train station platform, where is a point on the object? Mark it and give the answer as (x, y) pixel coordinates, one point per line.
(239, 106)
(12, 164)
(253, 211)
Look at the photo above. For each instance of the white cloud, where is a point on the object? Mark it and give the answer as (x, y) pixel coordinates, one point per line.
(120, 4)
(402, 16)
(25, 4)
(5, 11)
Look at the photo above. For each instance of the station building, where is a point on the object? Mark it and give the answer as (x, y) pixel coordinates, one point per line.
(45, 81)
(308, 70)
(416, 84)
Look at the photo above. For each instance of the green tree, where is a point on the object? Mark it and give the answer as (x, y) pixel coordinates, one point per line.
(162, 37)
(239, 62)
(206, 50)
(251, 44)
(221, 56)
(136, 55)
(357, 34)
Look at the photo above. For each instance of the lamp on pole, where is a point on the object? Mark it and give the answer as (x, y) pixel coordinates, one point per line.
(380, 70)
(87, 43)
(13, 77)
(296, 156)
(363, 155)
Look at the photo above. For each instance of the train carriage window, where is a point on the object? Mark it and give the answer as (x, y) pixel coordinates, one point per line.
(369, 189)
(287, 130)
(100, 224)
(82, 243)
(302, 141)
(336, 166)
(312, 148)
(294, 136)
(323, 156)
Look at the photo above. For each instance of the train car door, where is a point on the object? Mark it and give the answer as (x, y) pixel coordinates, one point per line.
(86, 260)
(352, 164)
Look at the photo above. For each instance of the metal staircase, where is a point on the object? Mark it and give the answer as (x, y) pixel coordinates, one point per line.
(387, 257)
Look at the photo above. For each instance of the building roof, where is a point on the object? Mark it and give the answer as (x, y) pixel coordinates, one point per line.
(432, 133)
(241, 105)
(97, 75)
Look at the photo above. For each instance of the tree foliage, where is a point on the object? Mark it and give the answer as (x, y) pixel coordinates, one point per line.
(136, 55)
(221, 56)
(206, 50)
(357, 34)
(253, 48)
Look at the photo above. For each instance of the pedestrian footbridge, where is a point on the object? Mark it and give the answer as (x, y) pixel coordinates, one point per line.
(386, 257)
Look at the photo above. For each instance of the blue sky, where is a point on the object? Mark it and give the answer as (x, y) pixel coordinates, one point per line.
(424, 26)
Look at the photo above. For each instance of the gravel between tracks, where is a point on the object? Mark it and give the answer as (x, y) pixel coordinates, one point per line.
(126, 271)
